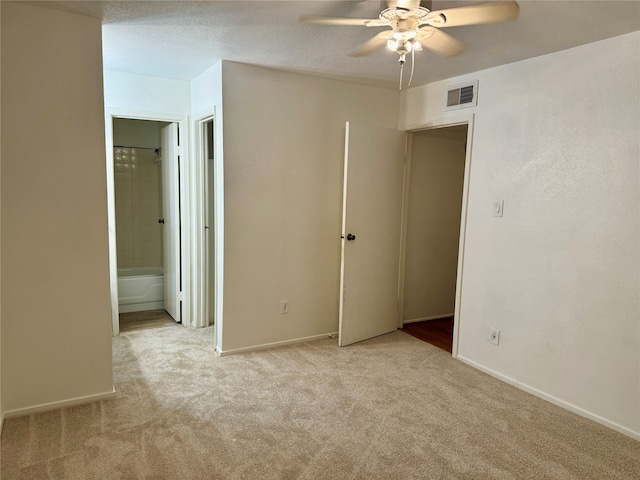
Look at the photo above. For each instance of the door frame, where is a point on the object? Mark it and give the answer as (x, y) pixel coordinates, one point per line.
(197, 185)
(199, 247)
(185, 232)
(453, 121)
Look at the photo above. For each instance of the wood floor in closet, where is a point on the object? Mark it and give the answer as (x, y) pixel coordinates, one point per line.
(436, 332)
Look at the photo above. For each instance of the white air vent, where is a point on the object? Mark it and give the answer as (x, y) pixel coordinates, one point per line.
(461, 96)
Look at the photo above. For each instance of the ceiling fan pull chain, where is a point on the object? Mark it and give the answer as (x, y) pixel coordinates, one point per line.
(401, 68)
(413, 63)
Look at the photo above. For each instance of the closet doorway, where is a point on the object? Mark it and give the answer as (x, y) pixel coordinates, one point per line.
(207, 154)
(434, 211)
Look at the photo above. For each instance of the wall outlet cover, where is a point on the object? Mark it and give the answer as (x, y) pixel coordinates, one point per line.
(494, 336)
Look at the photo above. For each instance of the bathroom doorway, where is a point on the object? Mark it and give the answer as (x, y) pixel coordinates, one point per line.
(146, 193)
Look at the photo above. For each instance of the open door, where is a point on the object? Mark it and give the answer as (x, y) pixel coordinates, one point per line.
(371, 225)
(171, 212)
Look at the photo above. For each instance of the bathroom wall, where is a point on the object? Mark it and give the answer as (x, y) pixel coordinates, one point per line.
(138, 193)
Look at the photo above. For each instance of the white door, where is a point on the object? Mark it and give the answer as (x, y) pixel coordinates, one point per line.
(171, 213)
(371, 212)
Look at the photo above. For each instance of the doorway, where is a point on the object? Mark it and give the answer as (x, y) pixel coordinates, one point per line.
(377, 270)
(207, 134)
(434, 211)
(144, 222)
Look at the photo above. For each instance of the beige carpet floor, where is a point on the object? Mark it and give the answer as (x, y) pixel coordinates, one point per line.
(389, 408)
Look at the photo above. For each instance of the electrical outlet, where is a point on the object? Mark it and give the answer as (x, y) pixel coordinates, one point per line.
(494, 336)
(284, 307)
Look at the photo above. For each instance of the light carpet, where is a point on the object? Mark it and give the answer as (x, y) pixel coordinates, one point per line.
(388, 408)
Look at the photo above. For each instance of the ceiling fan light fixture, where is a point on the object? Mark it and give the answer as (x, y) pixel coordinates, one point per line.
(404, 48)
(401, 46)
(404, 34)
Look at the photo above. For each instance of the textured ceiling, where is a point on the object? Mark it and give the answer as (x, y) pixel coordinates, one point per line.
(180, 39)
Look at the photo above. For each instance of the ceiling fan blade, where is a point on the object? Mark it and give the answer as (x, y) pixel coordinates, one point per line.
(439, 42)
(320, 20)
(474, 14)
(369, 46)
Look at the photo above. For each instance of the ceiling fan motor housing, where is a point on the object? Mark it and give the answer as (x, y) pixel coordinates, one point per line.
(404, 28)
(417, 13)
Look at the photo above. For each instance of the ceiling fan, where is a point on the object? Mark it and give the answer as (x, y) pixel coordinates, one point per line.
(414, 27)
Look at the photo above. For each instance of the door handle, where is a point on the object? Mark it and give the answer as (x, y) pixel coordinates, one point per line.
(351, 237)
(161, 220)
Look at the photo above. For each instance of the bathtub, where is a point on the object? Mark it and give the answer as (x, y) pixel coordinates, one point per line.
(140, 289)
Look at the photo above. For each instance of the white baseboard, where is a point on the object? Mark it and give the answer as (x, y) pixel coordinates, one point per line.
(551, 399)
(264, 346)
(435, 317)
(72, 402)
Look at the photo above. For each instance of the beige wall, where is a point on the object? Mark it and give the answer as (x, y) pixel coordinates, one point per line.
(1, 410)
(56, 330)
(556, 137)
(433, 222)
(138, 192)
(283, 162)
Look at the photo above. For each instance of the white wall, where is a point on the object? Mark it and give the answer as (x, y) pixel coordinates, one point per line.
(206, 91)
(56, 337)
(433, 222)
(132, 91)
(283, 154)
(206, 100)
(556, 137)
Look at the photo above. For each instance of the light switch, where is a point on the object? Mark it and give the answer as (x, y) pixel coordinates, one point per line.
(498, 207)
